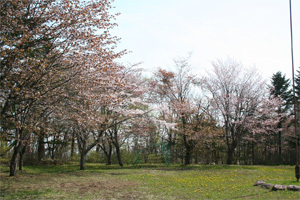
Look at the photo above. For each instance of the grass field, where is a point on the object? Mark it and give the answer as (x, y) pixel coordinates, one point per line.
(147, 182)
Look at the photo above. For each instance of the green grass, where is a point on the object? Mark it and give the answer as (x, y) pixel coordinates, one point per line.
(146, 182)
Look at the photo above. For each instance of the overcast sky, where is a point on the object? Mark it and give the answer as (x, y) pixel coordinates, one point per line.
(254, 32)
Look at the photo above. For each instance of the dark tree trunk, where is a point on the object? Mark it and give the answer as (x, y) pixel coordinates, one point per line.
(244, 153)
(117, 146)
(21, 161)
(230, 152)
(188, 151)
(109, 155)
(82, 160)
(53, 148)
(14, 160)
(41, 148)
(253, 153)
(231, 145)
(49, 146)
(119, 155)
(17, 148)
(188, 146)
(265, 154)
(107, 152)
(82, 148)
(187, 158)
(73, 144)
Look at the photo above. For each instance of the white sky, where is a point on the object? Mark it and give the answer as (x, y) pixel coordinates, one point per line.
(254, 32)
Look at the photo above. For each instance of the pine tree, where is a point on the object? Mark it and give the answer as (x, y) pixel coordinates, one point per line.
(281, 87)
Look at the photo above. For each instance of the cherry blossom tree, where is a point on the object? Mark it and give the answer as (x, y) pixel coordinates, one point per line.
(132, 106)
(173, 92)
(262, 126)
(236, 94)
(100, 108)
(45, 44)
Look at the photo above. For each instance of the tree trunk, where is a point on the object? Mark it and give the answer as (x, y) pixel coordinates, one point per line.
(108, 152)
(119, 155)
(14, 159)
(109, 156)
(230, 152)
(188, 151)
(187, 158)
(253, 153)
(196, 158)
(245, 153)
(53, 148)
(21, 157)
(41, 147)
(117, 146)
(82, 160)
(188, 146)
(73, 144)
(82, 148)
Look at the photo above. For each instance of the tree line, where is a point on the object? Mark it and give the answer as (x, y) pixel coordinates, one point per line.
(63, 96)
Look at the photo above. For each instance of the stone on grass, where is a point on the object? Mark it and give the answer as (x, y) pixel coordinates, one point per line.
(294, 188)
(279, 187)
(259, 182)
(267, 185)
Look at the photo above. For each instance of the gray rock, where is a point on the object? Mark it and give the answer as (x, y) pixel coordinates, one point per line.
(293, 187)
(267, 185)
(259, 182)
(279, 187)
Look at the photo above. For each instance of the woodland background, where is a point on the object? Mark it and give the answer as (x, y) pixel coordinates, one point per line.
(63, 97)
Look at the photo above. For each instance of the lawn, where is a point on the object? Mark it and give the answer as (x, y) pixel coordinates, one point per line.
(147, 182)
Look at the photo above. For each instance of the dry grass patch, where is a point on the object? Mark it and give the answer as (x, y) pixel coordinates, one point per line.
(109, 188)
(81, 185)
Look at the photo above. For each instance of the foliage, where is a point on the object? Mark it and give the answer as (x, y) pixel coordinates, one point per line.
(62, 95)
(54, 54)
(173, 93)
(239, 101)
(280, 86)
(93, 157)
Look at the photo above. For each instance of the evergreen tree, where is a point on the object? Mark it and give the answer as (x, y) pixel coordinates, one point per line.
(280, 86)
